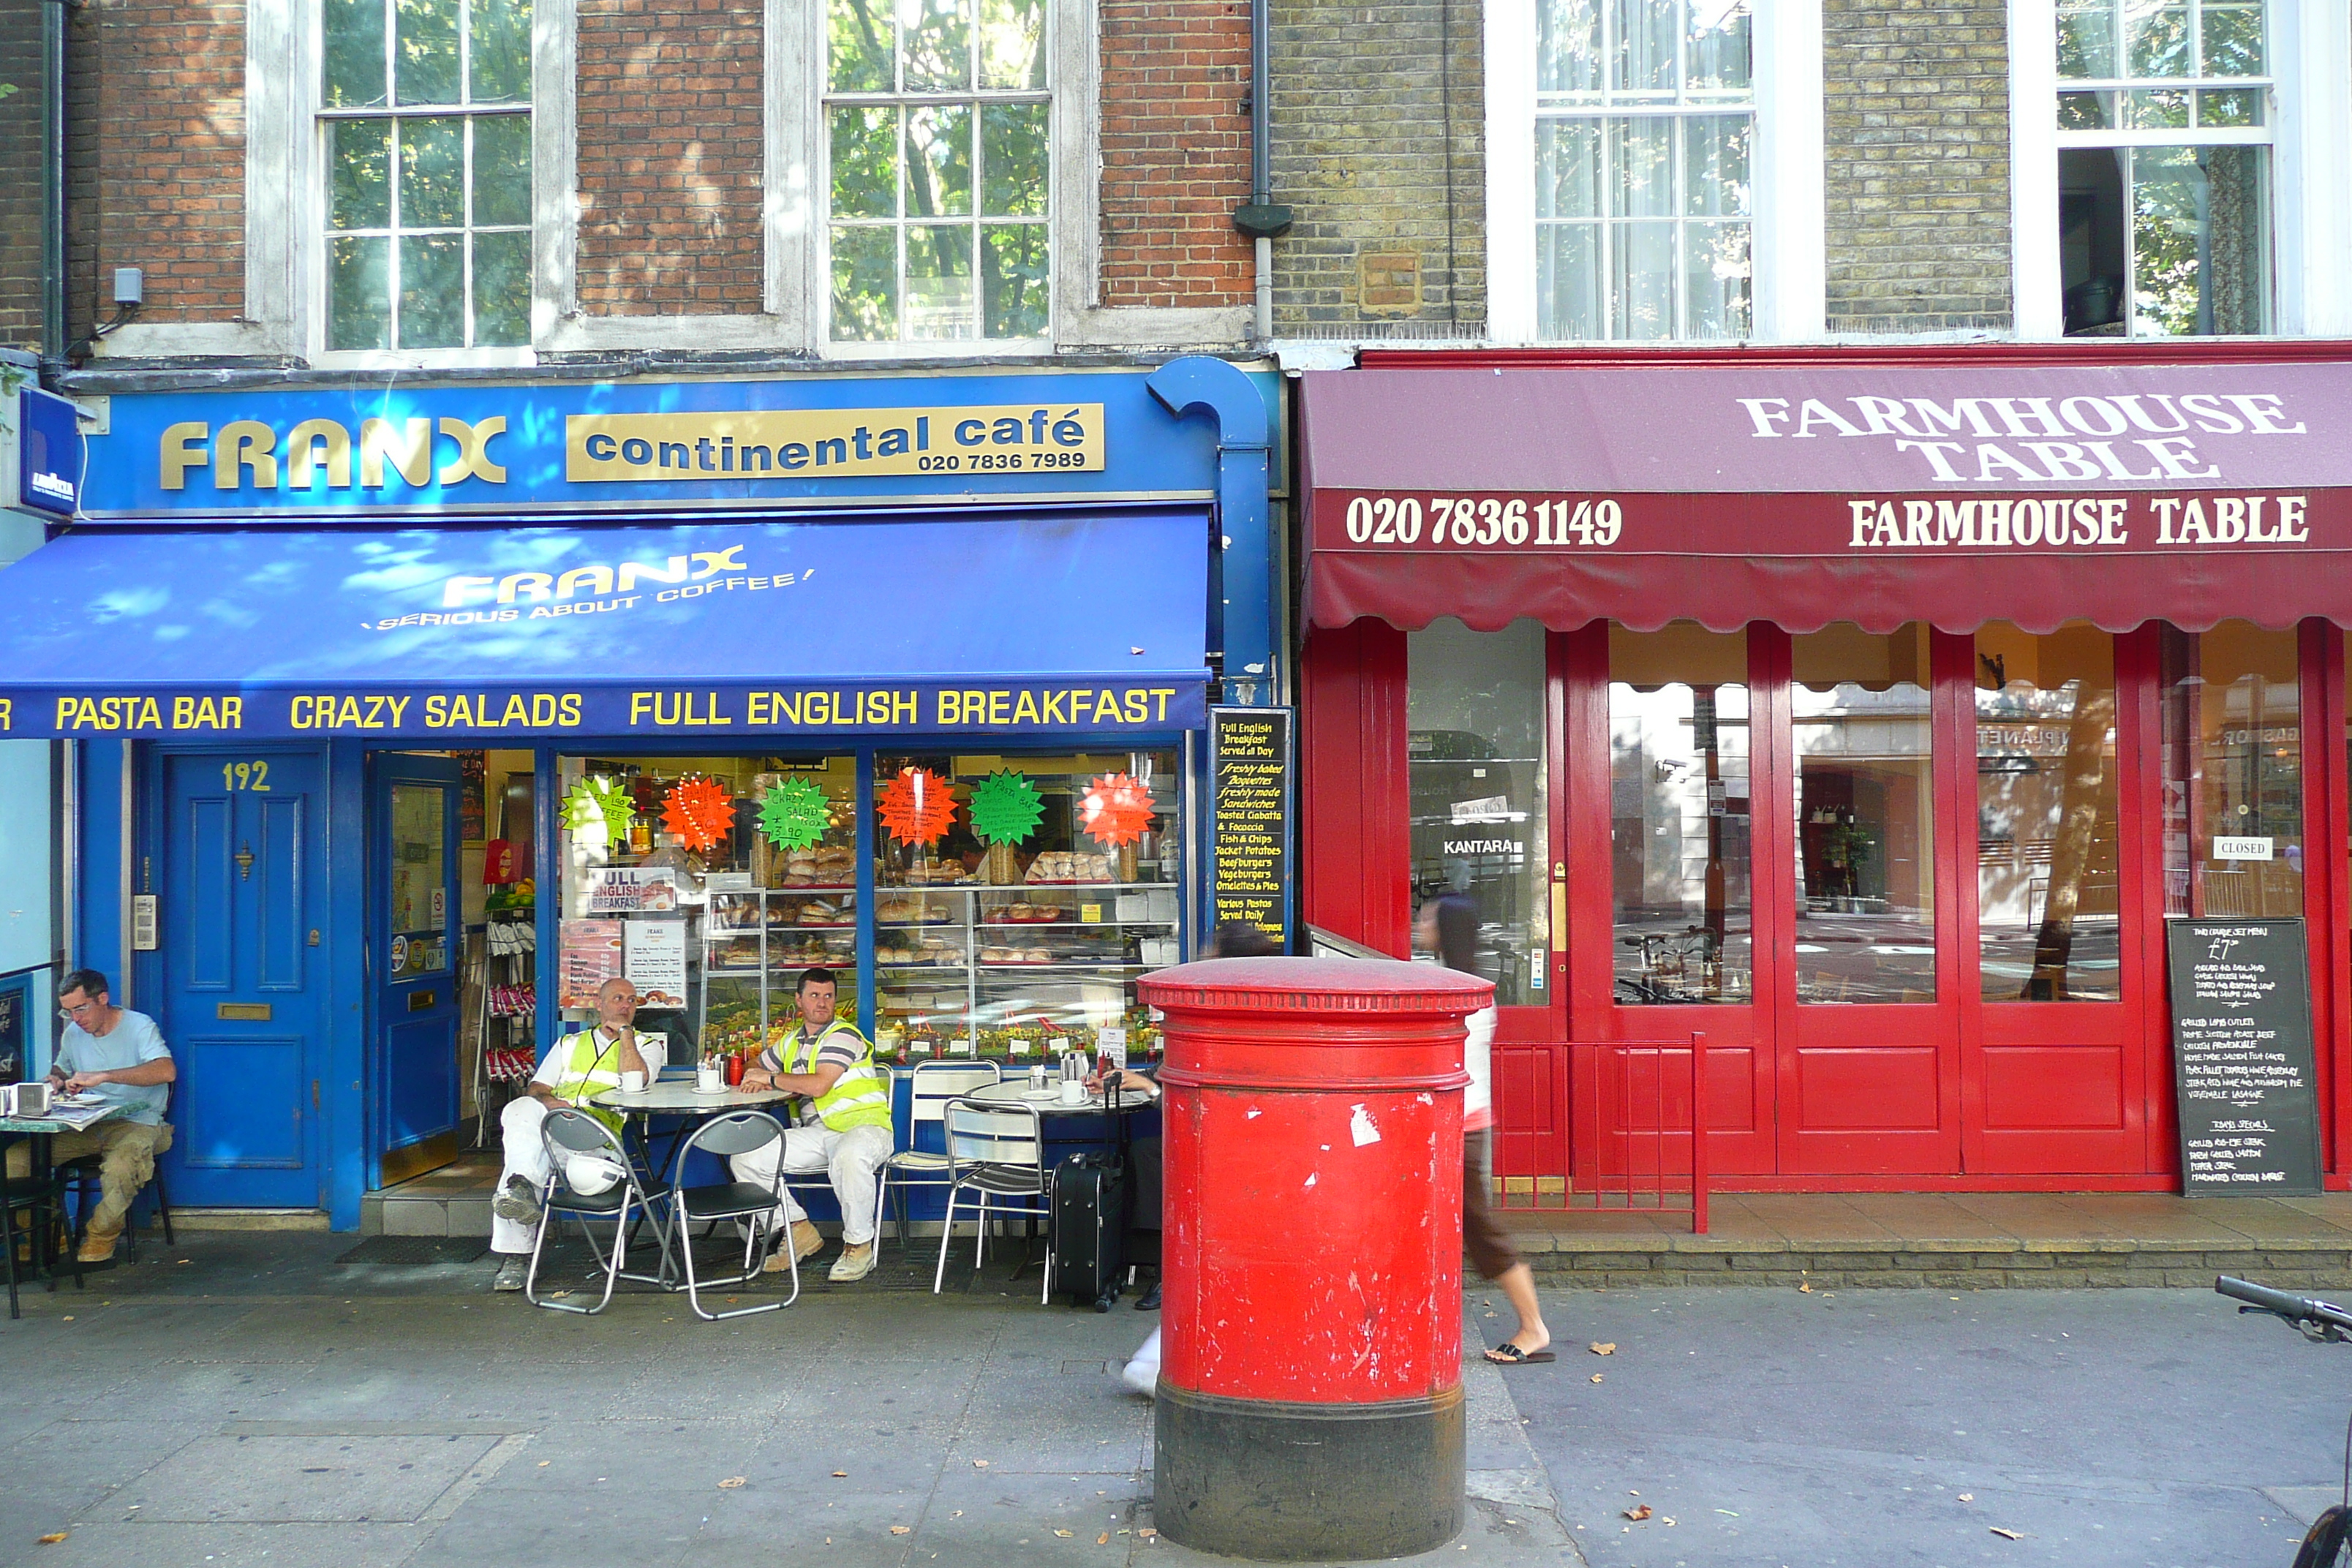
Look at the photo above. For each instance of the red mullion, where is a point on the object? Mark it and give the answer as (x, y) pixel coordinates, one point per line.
(1772, 804)
(1586, 976)
(2139, 743)
(1959, 946)
(2321, 667)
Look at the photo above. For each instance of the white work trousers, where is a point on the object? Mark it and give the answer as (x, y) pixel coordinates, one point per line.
(849, 1160)
(526, 1157)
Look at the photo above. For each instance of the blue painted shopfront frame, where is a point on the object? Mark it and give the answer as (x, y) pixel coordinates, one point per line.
(1198, 433)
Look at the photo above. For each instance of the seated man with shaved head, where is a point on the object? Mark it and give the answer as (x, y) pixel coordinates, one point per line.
(581, 1067)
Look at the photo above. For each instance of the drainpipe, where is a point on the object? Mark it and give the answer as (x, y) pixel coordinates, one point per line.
(1244, 605)
(53, 182)
(1259, 218)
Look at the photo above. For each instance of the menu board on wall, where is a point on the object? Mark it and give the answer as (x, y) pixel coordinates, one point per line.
(2242, 1056)
(655, 954)
(1251, 786)
(15, 996)
(591, 955)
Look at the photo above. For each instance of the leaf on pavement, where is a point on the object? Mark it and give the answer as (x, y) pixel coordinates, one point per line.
(2009, 1534)
(730, 1483)
(1968, 1496)
(1063, 1533)
(1104, 1539)
(902, 1529)
(840, 1475)
(1602, 1347)
(53, 1539)
(1596, 1377)
(980, 1464)
(1638, 1514)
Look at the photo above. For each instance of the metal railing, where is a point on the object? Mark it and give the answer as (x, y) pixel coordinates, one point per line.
(1638, 1144)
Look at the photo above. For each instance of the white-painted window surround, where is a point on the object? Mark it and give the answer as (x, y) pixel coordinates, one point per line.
(291, 200)
(1653, 170)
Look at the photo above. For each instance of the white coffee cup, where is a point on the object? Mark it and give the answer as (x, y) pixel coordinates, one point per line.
(709, 1081)
(633, 1083)
(1074, 1091)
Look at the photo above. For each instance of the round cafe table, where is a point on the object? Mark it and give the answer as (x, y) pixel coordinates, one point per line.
(677, 1096)
(1048, 1101)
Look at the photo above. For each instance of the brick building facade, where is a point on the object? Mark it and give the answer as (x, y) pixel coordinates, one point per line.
(21, 222)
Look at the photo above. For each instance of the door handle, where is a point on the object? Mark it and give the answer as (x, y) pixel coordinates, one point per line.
(314, 936)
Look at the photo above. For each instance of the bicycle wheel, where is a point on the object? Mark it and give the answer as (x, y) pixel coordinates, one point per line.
(2329, 1542)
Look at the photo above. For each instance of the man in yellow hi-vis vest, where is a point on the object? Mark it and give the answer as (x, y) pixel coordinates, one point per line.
(581, 1067)
(843, 1110)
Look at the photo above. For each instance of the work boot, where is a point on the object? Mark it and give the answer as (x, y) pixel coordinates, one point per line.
(806, 1243)
(514, 1269)
(855, 1263)
(516, 1202)
(98, 1246)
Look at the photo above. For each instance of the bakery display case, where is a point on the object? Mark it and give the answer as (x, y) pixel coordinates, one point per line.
(1019, 899)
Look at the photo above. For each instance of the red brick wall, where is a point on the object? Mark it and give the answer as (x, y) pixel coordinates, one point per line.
(1175, 152)
(669, 157)
(21, 218)
(158, 151)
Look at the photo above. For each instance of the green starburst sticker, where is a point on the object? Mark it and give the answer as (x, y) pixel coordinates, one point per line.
(1005, 809)
(793, 814)
(598, 808)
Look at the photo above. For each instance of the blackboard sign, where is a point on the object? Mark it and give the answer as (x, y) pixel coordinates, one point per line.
(2242, 1056)
(1250, 849)
(15, 1011)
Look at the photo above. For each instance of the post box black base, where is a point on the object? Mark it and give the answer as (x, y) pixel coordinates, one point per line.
(1281, 1482)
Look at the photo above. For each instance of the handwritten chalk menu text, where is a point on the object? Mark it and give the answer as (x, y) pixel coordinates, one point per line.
(2242, 1056)
(1250, 770)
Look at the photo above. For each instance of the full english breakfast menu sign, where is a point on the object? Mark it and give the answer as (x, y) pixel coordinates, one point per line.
(2242, 1056)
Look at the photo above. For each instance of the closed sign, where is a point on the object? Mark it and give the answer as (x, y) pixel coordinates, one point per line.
(2242, 848)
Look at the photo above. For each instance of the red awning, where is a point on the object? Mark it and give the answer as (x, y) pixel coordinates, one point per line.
(1806, 491)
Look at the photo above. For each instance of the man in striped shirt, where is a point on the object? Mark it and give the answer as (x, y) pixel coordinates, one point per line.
(843, 1107)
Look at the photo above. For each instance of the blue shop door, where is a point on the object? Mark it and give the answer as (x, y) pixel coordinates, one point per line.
(416, 942)
(243, 899)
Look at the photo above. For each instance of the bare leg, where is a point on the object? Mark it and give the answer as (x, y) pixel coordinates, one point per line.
(1518, 1285)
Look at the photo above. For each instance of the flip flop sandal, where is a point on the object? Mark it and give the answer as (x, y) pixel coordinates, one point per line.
(1508, 1354)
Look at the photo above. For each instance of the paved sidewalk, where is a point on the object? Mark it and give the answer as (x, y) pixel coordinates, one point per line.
(1973, 1240)
(263, 1405)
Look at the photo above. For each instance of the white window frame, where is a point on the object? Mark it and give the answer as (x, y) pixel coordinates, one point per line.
(2310, 136)
(284, 310)
(1787, 242)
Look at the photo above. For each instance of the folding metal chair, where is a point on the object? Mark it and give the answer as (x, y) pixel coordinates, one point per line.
(752, 1204)
(935, 1084)
(997, 1150)
(574, 1135)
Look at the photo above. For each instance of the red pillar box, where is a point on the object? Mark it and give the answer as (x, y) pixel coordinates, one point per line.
(1310, 1386)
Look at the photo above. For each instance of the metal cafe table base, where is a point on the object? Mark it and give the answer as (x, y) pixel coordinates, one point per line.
(677, 1098)
(40, 1132)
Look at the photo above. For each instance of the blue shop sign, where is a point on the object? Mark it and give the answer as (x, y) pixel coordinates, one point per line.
(629, 446)
(49, 464)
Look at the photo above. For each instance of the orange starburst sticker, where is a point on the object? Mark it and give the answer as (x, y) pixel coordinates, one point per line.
(1115, 809)
(917, 806)
(699, 812)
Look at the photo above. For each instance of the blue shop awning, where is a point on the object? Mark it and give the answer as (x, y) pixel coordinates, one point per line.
(992, 625)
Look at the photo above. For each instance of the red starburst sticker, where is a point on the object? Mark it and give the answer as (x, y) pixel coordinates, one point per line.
(699, 812)
(917, 806)
(1115, 809)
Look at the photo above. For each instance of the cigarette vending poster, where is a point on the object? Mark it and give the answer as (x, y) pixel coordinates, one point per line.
(656, 951)
(591, 955)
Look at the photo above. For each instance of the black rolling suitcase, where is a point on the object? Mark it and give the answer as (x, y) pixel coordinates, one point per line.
(1089, 1224)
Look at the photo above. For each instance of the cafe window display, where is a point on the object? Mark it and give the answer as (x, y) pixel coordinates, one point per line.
(1019, 899)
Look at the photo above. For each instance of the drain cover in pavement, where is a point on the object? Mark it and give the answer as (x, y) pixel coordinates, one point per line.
(416, 1251)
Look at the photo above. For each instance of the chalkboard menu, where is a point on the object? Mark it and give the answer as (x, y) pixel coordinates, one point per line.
(2242, 1056)
(1250, 848)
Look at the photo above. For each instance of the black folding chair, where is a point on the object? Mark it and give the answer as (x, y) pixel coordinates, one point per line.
(753, 1205)
(570, 1136)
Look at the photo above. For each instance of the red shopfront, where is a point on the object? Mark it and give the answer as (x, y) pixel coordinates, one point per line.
(1871, 711)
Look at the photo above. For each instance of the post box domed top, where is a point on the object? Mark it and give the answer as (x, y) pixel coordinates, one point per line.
(1318, 985)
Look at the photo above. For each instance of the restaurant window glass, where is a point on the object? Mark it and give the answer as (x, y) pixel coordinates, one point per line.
(1683, 911)
(2233, 773)
(2047, 912)
(1475, 713)
(670, 881)
(1645, 122)
(1019, 899)
(2164, 167)
(1866, 862)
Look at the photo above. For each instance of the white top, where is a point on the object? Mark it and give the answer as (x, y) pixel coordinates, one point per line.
(1478, 1061)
